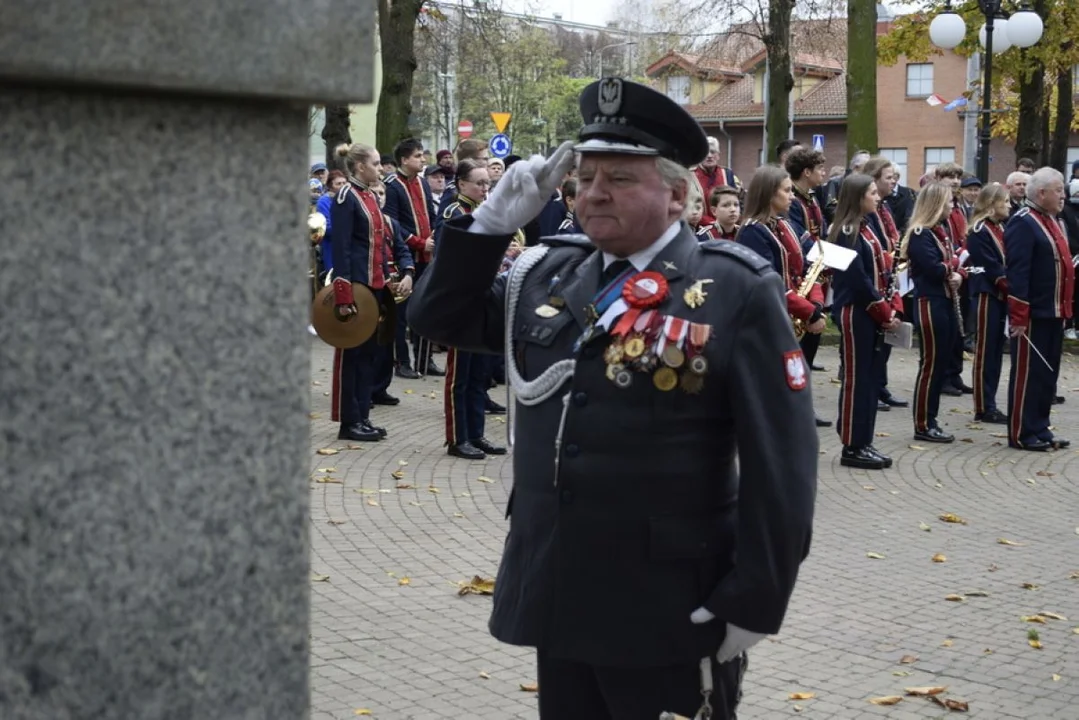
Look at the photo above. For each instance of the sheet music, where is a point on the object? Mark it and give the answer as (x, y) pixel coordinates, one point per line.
(902, 336)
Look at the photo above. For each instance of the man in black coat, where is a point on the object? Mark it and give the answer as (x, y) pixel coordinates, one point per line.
(651, 373)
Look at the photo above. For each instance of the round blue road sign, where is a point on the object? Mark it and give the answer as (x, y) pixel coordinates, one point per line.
(500, 145)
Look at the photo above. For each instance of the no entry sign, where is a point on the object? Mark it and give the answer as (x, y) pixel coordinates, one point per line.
(464, 128)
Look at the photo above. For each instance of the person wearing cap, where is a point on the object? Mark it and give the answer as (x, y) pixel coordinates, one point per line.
(969, 187)
(642, 364)
(495, 168)
(436, 180)
(320, 172)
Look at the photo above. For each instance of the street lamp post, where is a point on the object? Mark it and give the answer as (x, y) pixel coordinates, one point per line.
(1023, 29)
(599, 55)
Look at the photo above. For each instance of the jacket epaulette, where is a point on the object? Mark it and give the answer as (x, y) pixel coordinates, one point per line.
(447, 214)
(344, 192)
(1022, 212)
(739, 252)
(568, 240)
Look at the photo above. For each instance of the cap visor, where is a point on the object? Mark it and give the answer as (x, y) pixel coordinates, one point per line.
(596, 145)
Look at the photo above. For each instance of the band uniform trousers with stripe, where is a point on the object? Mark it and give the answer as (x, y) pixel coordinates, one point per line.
(934, 317)
(858, 389)
(354, 372)
(467, 377)
(1032, 385)
(989, 314)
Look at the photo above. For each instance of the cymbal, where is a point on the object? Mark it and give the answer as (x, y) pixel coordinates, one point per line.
(352, 331)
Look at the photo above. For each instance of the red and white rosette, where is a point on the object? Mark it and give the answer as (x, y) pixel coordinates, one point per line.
(645, 290)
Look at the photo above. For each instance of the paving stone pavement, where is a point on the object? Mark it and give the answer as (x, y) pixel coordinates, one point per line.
(418, 650)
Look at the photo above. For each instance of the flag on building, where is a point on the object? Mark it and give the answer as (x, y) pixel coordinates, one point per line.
(957, 103)
(935, 100)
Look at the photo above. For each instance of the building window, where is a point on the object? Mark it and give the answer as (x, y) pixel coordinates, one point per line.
(920, 80)
(898, 156)
(1073, 156)
(678, 89)
(936, 156)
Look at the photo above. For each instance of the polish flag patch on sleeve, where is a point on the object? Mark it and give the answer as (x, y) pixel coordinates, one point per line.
(794, 364)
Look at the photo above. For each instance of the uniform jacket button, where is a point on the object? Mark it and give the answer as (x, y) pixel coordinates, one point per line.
(567, 497)
(580, 399)
(572, 450)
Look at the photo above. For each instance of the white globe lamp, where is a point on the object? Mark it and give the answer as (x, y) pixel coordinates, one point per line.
(947, 30)
(1025, 28)
(1001, 38)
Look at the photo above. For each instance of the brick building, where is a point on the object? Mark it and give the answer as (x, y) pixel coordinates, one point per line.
(724, 88)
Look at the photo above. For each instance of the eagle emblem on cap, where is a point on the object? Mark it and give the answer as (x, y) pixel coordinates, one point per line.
(610, 96)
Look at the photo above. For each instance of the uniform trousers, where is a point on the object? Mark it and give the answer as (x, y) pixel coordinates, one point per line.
(571, 690)
(938, 327)
(353, 379)
(810, 343)
(882, 372)
(858, 387)
(1032, 385)
(989, 314)
(467, 376)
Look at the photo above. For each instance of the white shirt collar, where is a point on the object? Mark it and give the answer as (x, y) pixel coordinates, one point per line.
(642, 258)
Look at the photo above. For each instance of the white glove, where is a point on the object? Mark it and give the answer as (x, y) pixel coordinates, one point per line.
(522, 193)
(737, 640)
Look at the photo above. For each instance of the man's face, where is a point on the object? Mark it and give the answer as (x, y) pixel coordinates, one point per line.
(818, 176)
(321, 175)
(388, 169)
(1018, 188)
(970, 194)
(887, 181)
(1051, 197)
(1028, 169)
(711, 160)
(446, 161)
(952, 182)
(696, 212)
(412, 164)
(437, 181)
(728, 211)
(622, 203)
(495, 170)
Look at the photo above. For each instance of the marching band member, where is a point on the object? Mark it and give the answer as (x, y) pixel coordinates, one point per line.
(569, 198)
(766, 232)
(861, 312)
(396, 259)
(695, 211)
(467, 373)
(951, 175)
(989, 297)
(883, 223)
(934, 270)
(358, 256)
(727, 210)
(1041, 286)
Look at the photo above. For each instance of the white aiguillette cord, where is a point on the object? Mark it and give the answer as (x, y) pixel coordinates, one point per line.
(705, 711)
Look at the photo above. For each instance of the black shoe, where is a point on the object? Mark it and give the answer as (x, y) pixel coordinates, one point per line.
(1058, 399)
(821, 422)
(1060, 443)
(1036, 445)
(384, 398)
(894, 401)
(993, 417)
(488, 447)
(493, 408)
(817, 368)
(374, 428)
(934, 435)
(434, 370)
(468, 451)
(358, 432)
(887, 460)
(952, 390)
(861, 458)
(883, 406)
(968, 345)
(407, 373)
(964, 388)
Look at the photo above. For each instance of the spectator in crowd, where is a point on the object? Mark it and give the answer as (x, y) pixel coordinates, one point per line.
(319, 172)
(389, 166)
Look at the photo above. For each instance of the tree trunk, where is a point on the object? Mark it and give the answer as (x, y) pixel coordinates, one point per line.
(336, 130)
(861, 76)
(777, 41)
(1058, 156)
(397, 33)
(1031, 130)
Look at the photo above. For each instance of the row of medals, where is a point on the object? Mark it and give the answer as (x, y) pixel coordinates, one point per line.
(670, 368)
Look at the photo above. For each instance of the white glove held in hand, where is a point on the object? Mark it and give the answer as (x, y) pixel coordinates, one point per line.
(521, 194)
(737, 640)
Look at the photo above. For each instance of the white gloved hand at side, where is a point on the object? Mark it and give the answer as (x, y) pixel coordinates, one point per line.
(521, 194)
(737, 640)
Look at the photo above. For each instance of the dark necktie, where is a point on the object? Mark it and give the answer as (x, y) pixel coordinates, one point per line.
(613, 270)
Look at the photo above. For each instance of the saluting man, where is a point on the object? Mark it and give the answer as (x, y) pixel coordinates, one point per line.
(642, 363)
(1041, 284)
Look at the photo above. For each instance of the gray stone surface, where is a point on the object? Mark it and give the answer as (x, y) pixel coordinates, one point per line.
(269, 48)
(153, 407)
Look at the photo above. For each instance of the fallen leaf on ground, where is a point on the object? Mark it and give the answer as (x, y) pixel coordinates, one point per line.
(319, 577)
(414, 503)
(999, 435)
(908, 659)
(465, 494)
(336, 522)
(966, 440)
(433, 395)
(992, 568)
(314, 415)
(1056, 677)
(476, 586)
(948, 643)
(373, 503)
(385, 490)
(433, 490)
(902, 673)
(1045, 473)
(939, 558)
(404, 486)
(397, 474)
(484, 675)
(355, 447)
(802, 696)
(1052, 616)
(915, 447)
(1030, 586)
(1006, 541)
(484, 479)
(1031, 481)
(924, 527)
(315, 382)
(886, 700)
(975, 426)
(925, 691)
(530, 687)
(329, 479)
(1075, 574)
(327, 451)
(362, 711)
(954, 598)
(1036, 644)
(404, 581)
(409, 391)
(1033, 619)
(976, 593)
(951, 704)
(402, 463)
(868, 487)
(458, 515)
(883, 434)
(953, 518)
(1075, 631)
(327, 470)
(874, 556)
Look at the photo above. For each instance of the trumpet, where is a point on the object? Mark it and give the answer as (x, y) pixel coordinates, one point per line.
(803, 291)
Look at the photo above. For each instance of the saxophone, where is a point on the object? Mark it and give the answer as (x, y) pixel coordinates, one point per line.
(803, 291)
